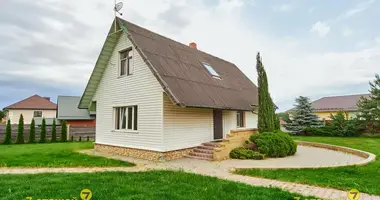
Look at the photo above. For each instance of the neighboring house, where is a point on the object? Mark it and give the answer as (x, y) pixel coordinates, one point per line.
(327, 106)
(32, 107)
(155, 97)
(68, 110)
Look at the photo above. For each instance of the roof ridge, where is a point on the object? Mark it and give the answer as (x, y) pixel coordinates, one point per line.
(346, 95)
(187, 46)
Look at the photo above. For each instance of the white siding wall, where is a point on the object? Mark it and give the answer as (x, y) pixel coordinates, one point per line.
(141, 89)
(186, 127)
(229, 121)
(14, 115)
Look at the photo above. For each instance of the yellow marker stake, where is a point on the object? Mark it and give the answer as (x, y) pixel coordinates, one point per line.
(353, 194)
(86, 194)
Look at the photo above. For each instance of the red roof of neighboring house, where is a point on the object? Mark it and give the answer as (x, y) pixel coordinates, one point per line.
(34, 102)
(282, 122)
(345, 103)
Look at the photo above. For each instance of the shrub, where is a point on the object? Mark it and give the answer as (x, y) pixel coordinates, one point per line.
(80, 138)
(337, 128)
(274, 144)
(54, 132)
(243, 153)
(8, 133)
(72, 139)
(43, 131)
(64, 132)
(88, 138)
(32, 132)
(20, 130)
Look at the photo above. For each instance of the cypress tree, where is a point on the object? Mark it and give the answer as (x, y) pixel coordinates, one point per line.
(32, 132)
(20, 130)
(63, 132)
(266, 111)
(54, 132)
(8, 133)
(43, 131)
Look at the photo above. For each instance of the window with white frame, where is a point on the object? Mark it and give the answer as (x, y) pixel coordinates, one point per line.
(240, 119)
(126, 65)
(126, 118)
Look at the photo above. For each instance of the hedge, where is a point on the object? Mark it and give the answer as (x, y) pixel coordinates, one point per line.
(274, 144)
(243, 153)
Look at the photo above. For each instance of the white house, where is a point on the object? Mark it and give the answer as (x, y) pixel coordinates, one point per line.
(156, 98)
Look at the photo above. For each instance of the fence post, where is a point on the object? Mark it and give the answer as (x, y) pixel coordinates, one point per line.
(68, 132)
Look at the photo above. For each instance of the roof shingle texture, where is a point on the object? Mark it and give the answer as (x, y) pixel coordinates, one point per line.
(68, 109)
(180, 68)
(34, 102)
(345, 103)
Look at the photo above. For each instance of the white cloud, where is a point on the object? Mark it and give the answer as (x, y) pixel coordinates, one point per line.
(321, 28)
(347, 32)
(362, 6)
(283, 8)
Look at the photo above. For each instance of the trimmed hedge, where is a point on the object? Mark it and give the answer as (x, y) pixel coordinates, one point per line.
(243, 153)
(274, 144)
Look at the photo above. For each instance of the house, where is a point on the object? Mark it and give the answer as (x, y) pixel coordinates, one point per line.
(32, 107)
(156, 98)
(68, 111)
(327, 106)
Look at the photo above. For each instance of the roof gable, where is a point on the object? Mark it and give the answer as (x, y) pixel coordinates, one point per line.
(33, 102)
(180, 71)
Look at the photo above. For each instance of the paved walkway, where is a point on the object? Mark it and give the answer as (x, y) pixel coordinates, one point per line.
(216, 169)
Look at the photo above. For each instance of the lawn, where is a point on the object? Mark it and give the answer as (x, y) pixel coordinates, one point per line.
(53, 155)
(363, 178)
(153, 185)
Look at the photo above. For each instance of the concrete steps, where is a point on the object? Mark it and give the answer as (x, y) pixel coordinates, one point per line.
(204, 152)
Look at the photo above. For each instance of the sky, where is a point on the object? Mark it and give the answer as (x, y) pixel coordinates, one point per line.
(309, 48)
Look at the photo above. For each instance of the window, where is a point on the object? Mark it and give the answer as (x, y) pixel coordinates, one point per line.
(240, 119)
(126, 118)
(126, 65)
(211, 70)
(37, 114)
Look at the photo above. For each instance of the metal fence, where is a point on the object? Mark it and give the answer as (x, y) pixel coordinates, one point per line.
(75, 132)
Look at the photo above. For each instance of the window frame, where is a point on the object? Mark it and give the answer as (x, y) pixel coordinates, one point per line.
(211, 70)
(128, 60)
(241, 115)
(37, 111)
(122, 120)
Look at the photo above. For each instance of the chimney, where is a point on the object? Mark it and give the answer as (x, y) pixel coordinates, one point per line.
(47, 98)
(193, 45)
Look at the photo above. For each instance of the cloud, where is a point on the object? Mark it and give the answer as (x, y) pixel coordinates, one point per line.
(362, 6)
(321, 28)
(283, 8)
(347, 32)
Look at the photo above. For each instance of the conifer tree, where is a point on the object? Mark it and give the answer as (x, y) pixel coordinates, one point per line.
(8, 133)
(54, 132)
(303, 116)
(63, 132)
(32, 132)
(43, 131)
(20, 130)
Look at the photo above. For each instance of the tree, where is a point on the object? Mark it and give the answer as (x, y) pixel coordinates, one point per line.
(284, 116)
(369, 107)
(20, 130)
(43, 131)
(32, 132)
(54, 132)
(303, 116)
(8, 133)
(266, 108)
(2, 114)
(63, 131)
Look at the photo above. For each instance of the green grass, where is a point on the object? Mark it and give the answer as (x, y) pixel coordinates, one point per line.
(364, 178)
(153, 185)
(52, 155)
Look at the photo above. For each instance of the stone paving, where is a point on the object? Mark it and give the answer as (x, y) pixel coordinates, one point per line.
(217, 169)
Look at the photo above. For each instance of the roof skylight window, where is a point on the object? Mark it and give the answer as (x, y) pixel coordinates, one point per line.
(211, 70)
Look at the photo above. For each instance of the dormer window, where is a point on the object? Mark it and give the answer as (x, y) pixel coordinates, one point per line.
(211, 70)
(126, 65)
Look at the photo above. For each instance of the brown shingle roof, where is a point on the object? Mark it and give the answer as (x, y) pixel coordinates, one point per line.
(180, 71)
(34, 102)
(345, 103)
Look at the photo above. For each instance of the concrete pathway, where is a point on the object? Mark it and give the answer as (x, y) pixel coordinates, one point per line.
(217, 169)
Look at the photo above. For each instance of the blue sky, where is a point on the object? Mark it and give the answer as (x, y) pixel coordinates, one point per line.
(309, 48)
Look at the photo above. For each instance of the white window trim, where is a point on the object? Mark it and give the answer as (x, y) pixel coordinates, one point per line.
(119, 63)
(126, 130)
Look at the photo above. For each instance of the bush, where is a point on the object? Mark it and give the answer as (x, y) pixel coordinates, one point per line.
(20, 130)
(8, 133)
(63, 132)
(32, 132)
(43, 131)
(54, 132)
(243, 153)
(274, 144)
(347, 128)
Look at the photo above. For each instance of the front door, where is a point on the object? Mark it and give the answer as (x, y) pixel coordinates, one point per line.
(218, 124)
